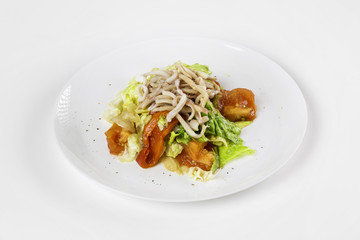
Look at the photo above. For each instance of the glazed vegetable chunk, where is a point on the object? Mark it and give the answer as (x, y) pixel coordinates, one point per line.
(195, 154)
(238, 104)
(117, 138)
(153, 140)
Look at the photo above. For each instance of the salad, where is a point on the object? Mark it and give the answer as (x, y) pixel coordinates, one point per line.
(182, 117)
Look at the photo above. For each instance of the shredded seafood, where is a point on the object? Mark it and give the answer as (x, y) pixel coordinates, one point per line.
(181, 91)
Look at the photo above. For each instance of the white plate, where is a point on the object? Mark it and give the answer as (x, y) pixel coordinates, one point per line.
(275, 134)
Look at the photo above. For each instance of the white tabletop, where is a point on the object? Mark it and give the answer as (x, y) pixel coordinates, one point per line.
(315, 196)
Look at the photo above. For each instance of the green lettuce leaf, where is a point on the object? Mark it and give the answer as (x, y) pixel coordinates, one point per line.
(173, 149)
(124, 101)
(199, 67)
(162, 122)
(202, 139)
(218, 141)
(196, 67)
(243, 124)
(173, 135)
(216, 163)
(182, 136)
(141, 122)
(219, 126)
(129, 95)
(226, 136)
(233, 151)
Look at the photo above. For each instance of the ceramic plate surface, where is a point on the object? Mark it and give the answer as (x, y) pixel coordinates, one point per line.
(275, 134)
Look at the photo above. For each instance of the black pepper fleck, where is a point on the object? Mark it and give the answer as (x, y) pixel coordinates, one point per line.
(97, 128)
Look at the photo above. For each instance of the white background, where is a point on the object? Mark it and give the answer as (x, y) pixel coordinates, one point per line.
(315, 196)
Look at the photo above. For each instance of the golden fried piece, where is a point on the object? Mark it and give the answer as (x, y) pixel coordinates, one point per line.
(238, 104)
(195, 154)
(116, 137)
